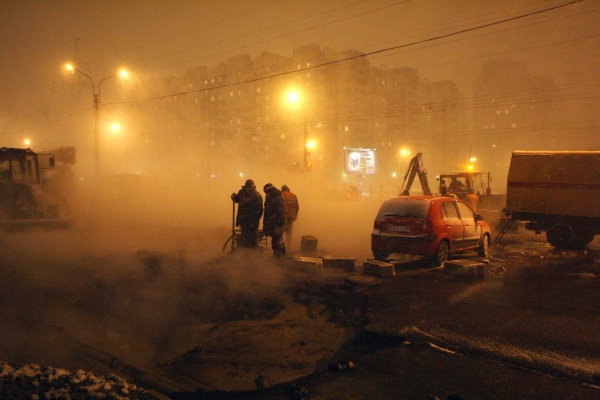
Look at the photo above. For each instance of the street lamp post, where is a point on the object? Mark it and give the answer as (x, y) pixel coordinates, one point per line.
(96, 102)
(295, 98)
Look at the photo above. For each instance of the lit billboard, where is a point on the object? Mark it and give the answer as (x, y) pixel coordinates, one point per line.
(359, 161)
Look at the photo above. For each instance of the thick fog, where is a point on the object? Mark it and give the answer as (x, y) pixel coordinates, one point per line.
(204, 108)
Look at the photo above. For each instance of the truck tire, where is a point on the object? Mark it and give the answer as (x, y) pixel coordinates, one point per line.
(585, 237)
(564, 236)
(561, 235)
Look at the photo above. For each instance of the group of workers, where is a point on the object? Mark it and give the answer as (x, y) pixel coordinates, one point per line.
(279, 212)
(457, 187)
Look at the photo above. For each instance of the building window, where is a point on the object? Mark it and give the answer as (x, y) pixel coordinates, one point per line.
(212, 98)
(307, 65)
(347, 128)
(258, 90)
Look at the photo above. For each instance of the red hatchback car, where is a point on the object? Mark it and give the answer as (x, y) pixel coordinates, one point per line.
(432, 226)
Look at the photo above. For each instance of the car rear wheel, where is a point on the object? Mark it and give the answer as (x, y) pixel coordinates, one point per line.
(441, 253)
(484, 246)
(380, 255)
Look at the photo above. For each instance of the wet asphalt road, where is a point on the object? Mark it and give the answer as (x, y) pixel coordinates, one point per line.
(528, 330)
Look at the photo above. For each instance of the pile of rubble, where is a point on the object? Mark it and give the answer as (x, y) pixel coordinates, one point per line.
(36, 382)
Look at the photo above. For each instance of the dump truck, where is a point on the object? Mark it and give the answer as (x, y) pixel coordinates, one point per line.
(557, 192)
(23, 201)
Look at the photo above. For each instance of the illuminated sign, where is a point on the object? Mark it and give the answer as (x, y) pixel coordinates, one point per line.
(359, 161)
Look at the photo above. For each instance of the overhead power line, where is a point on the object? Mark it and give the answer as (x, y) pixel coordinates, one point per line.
(362, 55)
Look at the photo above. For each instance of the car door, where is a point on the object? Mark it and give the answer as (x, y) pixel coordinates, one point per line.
(453, 225)
(471, 230)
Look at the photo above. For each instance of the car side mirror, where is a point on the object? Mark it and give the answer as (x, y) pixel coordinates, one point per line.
(478, 217)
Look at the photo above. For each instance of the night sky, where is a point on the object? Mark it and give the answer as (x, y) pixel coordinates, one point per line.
(442, 40)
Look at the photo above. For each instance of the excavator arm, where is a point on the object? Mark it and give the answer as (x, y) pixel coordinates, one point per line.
(415, 167)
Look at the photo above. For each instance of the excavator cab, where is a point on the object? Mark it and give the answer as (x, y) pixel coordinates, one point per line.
(461, 182)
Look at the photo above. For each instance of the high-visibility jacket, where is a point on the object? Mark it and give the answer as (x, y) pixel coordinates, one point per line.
(291, 204)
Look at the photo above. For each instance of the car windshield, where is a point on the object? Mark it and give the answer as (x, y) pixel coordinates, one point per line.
(404, 208)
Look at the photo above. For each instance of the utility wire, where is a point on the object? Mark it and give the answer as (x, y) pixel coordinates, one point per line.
(362, 55)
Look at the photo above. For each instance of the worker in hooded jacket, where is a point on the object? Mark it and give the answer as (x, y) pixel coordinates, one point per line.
(292, 207)
(250, 210)
(274, 222)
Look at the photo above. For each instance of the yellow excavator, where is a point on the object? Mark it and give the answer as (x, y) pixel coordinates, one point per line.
(415, 168)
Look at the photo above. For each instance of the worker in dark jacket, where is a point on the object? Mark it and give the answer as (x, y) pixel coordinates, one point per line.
(292, 207)
(274, 223)
(250, 210)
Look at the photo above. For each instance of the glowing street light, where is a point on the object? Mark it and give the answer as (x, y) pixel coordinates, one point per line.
(115, 127)
(96, 101)
(295, 98)
(27, 142)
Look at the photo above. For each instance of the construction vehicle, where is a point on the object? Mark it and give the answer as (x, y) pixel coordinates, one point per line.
(477, 181)
(415, 168)
(556, 192)
(23, 201)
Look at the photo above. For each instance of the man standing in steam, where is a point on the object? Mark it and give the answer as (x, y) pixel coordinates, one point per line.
(274, 221)
(250, 210)
(292, 207)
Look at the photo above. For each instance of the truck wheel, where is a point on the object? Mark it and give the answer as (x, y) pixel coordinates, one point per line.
(585, 237)
(561, 236)
(441, 253)
(484, 245)
(380, 255)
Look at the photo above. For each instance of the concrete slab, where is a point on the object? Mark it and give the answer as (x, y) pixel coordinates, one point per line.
(346, 264)
(309, 243)
(467, 268)
(307, 264)
(378, 268)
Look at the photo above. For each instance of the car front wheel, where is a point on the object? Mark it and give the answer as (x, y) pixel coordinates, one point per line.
(441, 253)
(484, 246)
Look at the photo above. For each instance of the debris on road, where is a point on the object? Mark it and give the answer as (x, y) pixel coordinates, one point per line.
(33, 381)
(584, 274)
(341, 365)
